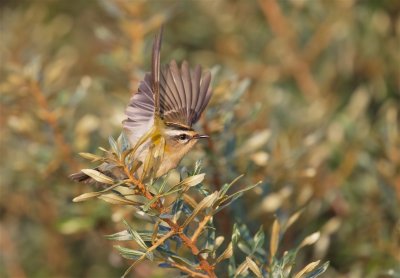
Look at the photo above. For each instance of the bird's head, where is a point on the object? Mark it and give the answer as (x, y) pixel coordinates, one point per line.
(179, 139)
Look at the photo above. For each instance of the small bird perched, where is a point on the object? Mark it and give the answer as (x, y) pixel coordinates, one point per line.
(161, 114)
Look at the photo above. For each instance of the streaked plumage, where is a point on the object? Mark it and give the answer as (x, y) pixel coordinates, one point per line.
(172, 96)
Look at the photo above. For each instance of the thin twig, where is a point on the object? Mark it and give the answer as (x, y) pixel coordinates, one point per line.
(199, 229)
(189, 271)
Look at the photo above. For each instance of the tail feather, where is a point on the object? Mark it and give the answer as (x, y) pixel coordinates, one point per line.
(81, 177)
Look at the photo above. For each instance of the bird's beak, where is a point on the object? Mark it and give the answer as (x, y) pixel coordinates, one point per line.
(198, 136)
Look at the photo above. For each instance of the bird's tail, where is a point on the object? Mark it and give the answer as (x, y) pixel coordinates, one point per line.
(82, 177)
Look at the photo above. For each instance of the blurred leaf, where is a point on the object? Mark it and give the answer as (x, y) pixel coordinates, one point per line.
(274, 242)
(292, 219)
(91, 157)
(310, 240)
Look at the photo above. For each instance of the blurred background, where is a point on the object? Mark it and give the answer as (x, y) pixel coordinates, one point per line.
(306, 98)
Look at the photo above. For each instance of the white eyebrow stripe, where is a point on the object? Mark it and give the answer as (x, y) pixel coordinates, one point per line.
(177, 132)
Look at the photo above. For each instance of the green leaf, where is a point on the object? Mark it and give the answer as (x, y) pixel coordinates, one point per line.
(243, 246)
(133, 254)
(182, 260)
(237, 194)
(96, 175)
(258, 239)
(226, 187)
(235, 233)
(136, 236)
(205, 203)
(120, 236)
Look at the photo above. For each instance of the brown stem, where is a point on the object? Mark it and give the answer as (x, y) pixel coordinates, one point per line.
(189, 271)
(199, 229)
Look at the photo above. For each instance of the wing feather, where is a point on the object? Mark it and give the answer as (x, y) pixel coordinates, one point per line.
(184, 93)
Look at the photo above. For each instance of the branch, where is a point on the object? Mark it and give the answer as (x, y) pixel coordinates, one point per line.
(189, 271)
(299, 68)
(51, 119)
(200, 228)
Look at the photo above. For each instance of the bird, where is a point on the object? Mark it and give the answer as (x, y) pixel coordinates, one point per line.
(161, 114)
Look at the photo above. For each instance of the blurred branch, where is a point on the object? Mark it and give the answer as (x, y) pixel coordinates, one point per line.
(51, 119)
(298, 66)
(11, 261)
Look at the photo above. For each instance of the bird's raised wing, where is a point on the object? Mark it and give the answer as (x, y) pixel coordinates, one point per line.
(184, 93)
(178, 96)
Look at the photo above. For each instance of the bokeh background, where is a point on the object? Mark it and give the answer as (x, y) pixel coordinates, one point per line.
(306, 98)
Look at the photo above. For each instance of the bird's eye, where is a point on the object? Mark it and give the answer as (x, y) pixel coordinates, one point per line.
(183, 137)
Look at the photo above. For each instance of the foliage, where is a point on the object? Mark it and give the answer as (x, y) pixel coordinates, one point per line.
(179, 222)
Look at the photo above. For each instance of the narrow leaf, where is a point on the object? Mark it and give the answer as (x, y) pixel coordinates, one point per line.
(113, 145)
(318, 271)
(120, 236)
(274, 238)
(205, 203)
(136, 236)
(117, 200)
(310, 240)
(96, 175)
(241, 268)
(127, 251)
(91, 156)
(182, 260)
(293, 219)
(226, 254)
(308, 268)
(253, 267)
(86, 196)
